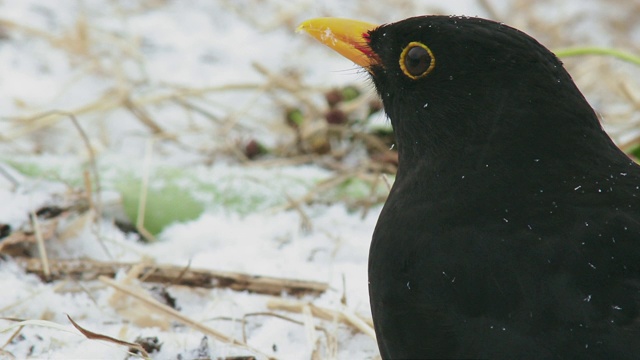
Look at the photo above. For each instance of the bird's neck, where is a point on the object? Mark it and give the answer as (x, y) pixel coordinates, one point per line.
(502, 137)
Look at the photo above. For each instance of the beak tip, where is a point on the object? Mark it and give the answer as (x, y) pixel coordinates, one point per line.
(302, 27)
(345, 36)
(309, 25)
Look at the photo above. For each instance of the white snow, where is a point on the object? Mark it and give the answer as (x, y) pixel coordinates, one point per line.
(64, 55)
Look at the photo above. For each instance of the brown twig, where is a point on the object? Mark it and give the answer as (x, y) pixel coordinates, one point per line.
(176, 315)
(345, 316)
(96, 336)
(42, 251)
(91, 270)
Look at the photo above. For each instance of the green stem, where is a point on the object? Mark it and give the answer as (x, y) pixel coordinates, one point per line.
(634, 59)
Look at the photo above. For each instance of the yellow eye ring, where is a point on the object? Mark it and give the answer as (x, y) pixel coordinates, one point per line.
(416, 60)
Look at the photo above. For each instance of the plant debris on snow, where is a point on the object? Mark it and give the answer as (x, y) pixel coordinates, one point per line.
(195, 180)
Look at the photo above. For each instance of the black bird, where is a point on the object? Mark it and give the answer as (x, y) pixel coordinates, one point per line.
(512, 230)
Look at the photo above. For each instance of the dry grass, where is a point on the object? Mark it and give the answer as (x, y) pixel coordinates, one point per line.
(604, 80)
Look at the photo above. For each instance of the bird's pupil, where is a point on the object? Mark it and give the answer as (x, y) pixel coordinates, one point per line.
(417, 60)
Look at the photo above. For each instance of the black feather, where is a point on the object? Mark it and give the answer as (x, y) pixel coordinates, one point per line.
(512, 230)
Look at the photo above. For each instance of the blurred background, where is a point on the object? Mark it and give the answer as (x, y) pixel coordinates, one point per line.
(210, 133)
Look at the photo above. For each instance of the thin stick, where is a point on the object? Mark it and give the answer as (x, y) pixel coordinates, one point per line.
(88, 189)
(41, 248)
(386, 181)
(110, 339)
(110, 101)
(13, 336)
(490, 9)
(92, 163)
(146, 119)
(344, 315)
(9, 177)
(86, 270)
(358, 322)
(144, 187)
(175, 315)
(96, 178)
(307, 225)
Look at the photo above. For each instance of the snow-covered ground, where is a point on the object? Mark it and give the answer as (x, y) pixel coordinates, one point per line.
(167, 93)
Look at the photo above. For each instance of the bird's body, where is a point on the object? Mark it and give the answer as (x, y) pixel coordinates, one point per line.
(512, 230)
(546, 269)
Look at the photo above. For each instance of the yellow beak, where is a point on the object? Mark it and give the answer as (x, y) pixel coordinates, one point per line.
(350, 38)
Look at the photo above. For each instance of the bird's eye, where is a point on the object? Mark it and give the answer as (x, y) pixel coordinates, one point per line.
(416, 60)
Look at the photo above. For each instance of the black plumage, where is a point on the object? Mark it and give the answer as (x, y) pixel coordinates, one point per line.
(512, 230)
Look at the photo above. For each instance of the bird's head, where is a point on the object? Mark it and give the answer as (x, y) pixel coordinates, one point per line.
(450, 83)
